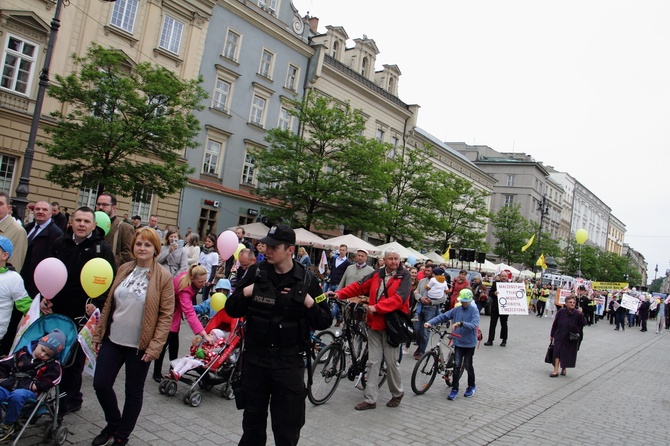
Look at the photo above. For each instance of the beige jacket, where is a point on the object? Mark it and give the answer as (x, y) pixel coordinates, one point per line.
(158, 308)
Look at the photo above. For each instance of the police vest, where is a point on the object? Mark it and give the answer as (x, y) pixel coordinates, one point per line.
(278, 323)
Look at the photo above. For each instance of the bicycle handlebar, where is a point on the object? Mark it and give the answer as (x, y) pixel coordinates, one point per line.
(443, 331)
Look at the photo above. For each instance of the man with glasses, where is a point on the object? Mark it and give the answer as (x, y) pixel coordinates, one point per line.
(120, 235)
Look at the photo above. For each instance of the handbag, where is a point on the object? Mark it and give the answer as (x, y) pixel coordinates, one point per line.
(573, 337)
(549, 357)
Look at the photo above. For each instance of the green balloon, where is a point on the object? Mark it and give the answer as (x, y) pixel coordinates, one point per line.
(103, 221)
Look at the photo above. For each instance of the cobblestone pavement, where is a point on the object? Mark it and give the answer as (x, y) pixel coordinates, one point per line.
(615, 395)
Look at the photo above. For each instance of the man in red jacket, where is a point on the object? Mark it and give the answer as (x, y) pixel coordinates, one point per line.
(388, 289)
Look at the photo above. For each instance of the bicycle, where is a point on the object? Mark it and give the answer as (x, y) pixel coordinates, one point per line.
(346, 356)
(433, 362)
(319, 341)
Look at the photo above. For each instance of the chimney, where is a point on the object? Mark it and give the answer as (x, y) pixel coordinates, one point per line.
(313, 24)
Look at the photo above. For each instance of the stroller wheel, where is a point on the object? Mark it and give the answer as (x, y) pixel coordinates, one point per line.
(61, 435)
(187, 398)
(196, 399)
(48, 435)
(171, 388)
(162, 387)
(227, 391)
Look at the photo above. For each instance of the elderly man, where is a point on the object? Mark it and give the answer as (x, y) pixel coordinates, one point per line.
(388, 289)
(153, 224)
(11, 229)
(120, 235)
(358, 270)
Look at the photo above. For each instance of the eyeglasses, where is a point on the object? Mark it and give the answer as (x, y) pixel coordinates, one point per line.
(103, 205)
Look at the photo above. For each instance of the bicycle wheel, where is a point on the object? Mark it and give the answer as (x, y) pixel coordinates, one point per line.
(326, 374)
(424, 372)
(382, 373)
(320, 341)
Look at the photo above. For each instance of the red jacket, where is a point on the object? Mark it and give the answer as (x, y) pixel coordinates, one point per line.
(398, 289)
(455, 289)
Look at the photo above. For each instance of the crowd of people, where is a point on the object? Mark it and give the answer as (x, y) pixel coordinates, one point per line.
(161, 279)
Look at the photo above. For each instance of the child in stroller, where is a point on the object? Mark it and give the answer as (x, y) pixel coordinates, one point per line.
(215, 365)
(32, 370)
(202, 352)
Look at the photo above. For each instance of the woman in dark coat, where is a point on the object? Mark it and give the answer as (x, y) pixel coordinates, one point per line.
(567, 320)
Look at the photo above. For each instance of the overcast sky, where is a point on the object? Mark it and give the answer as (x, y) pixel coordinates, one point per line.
(579, 85)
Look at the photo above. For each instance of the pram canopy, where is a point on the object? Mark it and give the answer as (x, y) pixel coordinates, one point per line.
(46, 324)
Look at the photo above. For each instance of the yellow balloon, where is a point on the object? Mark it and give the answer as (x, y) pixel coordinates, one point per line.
(236, 254)
(96, 277)
(218, 301)
(581, 236)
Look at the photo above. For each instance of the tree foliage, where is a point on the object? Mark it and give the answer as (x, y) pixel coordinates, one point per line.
(126, 129)
(327, 175)
(512, 231)
(599, 265)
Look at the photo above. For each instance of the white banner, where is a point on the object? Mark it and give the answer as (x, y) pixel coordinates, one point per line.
(629, 302)
(85, 338)
(512, 298)
(27, 319)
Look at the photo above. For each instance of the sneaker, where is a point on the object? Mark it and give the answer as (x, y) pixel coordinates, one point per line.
(470, 391)
(6, 431)
(452, 396)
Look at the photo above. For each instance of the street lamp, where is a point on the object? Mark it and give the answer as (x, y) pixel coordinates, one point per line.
(20, 201)
(544, 210)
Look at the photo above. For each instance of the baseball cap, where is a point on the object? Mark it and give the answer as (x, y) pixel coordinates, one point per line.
(6, 245)
(279, 234)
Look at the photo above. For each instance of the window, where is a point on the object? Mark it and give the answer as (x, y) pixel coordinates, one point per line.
(245, 220)
(18, 65)
(364, 67)
(7, 167)
(141, 203)
(124, 14)
(221, 95)
(285, 119)
(292, 77)
(232, 45)
(268, 5)
(510, 180)
(257, 115)
(509, 200)
(249, 170)
(393, 151)
(212, 157)
(335, 47)
(265, 69)
(171, 34)
(207, 222)
(380, 135)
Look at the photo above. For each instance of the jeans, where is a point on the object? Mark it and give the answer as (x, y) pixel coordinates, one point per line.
(15, 402)
(427, 313)
(334, 307)
(111, 358)
(463, 355)
(631, 319)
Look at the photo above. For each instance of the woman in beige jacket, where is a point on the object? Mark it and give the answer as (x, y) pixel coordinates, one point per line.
(132, 330)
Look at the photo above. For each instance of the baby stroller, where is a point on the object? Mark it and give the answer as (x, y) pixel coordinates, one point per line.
(48, 402)
(219, 370)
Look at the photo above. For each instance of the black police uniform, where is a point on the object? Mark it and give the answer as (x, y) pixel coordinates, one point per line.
(276, 335)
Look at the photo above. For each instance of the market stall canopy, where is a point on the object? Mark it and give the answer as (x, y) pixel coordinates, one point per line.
(502, 267)
(353, 243)
(435, 257)
(417, 254)
(487, 267)
(401, 250)
(253, 230)
(304, 237)
(527, 274)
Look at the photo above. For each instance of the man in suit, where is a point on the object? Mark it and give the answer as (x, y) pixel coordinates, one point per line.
(120, 235)
(58, 217)
(41, 234)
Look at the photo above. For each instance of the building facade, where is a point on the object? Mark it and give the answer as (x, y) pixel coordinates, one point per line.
(169, 33)
(590, 213)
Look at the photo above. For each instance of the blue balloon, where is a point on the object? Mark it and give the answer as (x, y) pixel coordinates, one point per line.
(411, 260)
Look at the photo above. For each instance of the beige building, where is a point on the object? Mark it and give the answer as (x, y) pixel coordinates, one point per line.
(616, 231)
(170, 33)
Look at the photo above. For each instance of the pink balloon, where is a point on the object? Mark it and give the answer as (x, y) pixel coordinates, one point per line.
(227, 244)
(50, 277)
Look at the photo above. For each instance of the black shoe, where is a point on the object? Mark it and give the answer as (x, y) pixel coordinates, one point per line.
(489, 343)
(503, 344)
(102, 439)
(158, 378)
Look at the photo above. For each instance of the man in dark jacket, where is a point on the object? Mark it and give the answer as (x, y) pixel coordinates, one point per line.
(42, 233)
(81, 243)
(337, 266)
(280, 301)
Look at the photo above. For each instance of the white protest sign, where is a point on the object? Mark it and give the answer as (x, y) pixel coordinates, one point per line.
(629, 302)
(512, 298)
(561, 294)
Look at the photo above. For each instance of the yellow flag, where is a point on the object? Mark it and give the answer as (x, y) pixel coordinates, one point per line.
(541, 262)
(445, 256)
(528, 244)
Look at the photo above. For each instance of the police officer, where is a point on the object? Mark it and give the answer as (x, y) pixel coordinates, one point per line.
(281, 301)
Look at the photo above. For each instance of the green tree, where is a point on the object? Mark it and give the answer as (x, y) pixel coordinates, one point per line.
(126, 128)
(512, 231)
(547, 246)
(460, 214)
(329, 174)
